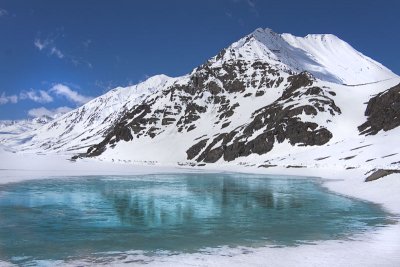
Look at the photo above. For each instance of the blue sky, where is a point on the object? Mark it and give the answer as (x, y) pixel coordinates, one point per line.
(56, 55)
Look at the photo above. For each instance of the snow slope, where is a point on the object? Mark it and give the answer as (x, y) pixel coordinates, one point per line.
(169, 147)
(337, 61)
(87, 124)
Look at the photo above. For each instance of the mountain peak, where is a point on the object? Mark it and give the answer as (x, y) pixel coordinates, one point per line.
(326, 56)
(322, 37)
(266, 36)
(263, 32)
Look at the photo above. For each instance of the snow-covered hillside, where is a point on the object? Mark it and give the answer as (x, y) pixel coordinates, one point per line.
(84, 126)
(346, 148)
(267, 99)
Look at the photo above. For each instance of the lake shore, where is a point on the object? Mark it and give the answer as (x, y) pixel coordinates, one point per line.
(380, 247)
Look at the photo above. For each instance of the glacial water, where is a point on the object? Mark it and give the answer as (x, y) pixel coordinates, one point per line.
(59, 219)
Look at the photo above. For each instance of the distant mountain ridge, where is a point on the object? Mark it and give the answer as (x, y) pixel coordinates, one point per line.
(13, 129)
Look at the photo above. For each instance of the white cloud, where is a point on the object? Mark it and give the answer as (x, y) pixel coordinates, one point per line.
(63, 90)
(42, 96)
(36, 96)
(4, 99)
(42, 111)
(39, 44)
(55, 51)
(3, 12)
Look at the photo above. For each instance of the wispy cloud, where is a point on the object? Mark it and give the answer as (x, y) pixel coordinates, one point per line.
(228, 14)
(252, 7)
(87, 43)
(3, 12)
(4, 99)
(79, 61)
(36, 96)
(251, 4)
(40, 44)
(71, 95)
(55, 51)
(48, 45)
(42, 111)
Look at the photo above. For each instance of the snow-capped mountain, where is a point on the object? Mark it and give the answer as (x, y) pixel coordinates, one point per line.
(25, 123)
(12, 130)
(324, 55)
(263, 99)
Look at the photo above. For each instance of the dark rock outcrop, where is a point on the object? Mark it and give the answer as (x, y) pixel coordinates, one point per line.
(383, 112)
(209, 88)
(195, 149)
(379, 174)
(278, 122)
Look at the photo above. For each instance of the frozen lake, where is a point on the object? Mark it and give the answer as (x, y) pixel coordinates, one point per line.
(72, 218)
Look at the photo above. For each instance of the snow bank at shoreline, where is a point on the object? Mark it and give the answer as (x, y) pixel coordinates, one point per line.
(380, 247)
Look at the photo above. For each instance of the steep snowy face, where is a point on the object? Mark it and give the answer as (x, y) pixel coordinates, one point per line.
(338, 59)
(324, 55)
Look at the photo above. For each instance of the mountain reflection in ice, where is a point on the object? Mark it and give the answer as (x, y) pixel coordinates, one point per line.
(60, 218)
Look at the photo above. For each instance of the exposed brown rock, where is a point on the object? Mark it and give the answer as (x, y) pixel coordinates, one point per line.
(379, 174)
